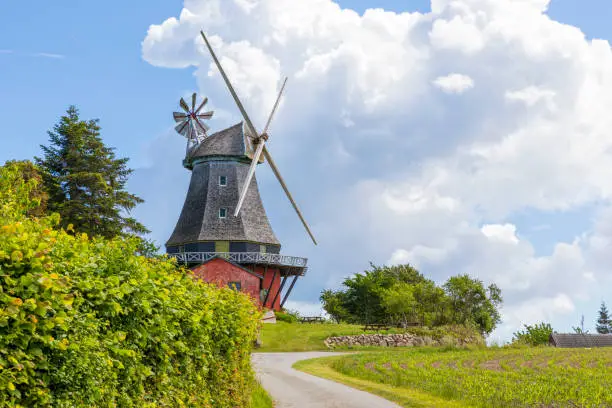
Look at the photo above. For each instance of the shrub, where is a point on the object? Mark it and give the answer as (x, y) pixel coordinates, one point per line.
(535, 335)
(88, 323)
(287, 316)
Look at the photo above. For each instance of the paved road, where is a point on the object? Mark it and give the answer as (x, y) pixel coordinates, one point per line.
(294, 389)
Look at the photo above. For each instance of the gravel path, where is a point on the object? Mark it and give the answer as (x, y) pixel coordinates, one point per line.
(294, 389)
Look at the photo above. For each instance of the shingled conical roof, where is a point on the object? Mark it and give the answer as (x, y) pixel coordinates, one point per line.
(222, 156)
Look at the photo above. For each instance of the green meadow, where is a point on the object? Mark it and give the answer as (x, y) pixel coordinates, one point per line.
(481, 377)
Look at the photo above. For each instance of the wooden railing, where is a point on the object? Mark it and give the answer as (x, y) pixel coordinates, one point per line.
(242, 258)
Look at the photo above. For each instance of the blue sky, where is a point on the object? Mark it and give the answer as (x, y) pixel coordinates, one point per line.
(90, 54)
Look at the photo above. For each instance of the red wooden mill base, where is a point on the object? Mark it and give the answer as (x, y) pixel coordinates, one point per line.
(263, 284)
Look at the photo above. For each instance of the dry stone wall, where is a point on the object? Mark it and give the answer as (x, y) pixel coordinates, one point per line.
(397, 340)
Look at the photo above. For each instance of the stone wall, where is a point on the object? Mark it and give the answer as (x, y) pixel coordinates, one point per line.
(397, 340)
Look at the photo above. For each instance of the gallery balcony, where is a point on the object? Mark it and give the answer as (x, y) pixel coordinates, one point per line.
(290, 265)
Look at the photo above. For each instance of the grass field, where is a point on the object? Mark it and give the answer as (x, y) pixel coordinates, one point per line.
(534, 377)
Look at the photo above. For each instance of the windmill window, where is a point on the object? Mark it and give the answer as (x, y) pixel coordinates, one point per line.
(222, 212)
(234, 286)
(223, 180)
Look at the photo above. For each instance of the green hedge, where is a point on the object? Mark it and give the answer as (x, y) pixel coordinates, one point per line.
(88, 323)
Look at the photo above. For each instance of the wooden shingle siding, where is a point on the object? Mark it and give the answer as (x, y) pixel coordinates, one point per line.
(222, 154)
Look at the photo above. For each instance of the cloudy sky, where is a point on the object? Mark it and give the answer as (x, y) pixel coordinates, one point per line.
(462, 136)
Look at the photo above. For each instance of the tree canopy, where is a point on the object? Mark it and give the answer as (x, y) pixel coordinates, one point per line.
(85, 181)
(402, 295)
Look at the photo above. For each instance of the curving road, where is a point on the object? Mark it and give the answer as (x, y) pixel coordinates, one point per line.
(294, 389)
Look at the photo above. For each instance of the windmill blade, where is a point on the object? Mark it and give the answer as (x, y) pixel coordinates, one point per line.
(230, 87)
(193, 101)
(282, 182)
(204, 102)
(275, 105)
(249, 176)
(205, 115)
(184, 105)
(203, 127)
(180, 128)
(179, 116)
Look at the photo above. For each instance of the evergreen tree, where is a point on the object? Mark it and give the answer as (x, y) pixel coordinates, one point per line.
(604, 323)
(85, 181)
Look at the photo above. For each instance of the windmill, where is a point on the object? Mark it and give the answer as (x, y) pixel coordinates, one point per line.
(223, 234)
(190, 121)
(259, 140)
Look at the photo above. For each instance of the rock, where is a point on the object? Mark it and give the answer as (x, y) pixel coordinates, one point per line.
(393, 340)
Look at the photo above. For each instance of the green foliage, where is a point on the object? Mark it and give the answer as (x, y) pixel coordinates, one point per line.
(507, 377)
(287, 316)
(472, 303)
(30, 173)
(85, 181)
(17, 193)
(401, 295)
(363, 299)
(333, 304)
(88, 323)
(535, 335)
(604, 322)
(400, 303)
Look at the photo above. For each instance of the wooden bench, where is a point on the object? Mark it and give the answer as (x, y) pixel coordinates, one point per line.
(311, 319)
(376, 326)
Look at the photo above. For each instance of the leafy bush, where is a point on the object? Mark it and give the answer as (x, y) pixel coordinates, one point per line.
(401, 295)
(88, 323)
(535, 335)
(287, 316)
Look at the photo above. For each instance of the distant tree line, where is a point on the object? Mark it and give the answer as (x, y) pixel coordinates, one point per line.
(402, 295)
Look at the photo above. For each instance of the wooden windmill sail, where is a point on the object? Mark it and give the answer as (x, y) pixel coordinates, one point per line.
(258, 139)
(223, 220)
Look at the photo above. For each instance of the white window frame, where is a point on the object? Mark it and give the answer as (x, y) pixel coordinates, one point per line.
(224, 210)
(221, 184)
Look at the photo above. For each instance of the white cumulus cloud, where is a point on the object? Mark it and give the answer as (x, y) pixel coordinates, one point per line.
(454, 83)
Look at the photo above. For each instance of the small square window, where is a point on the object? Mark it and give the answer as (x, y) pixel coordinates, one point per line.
(234, 286)
(222, 212)
(223, 180)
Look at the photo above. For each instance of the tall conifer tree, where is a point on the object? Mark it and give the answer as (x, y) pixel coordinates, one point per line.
(85, 181)
(604, 323)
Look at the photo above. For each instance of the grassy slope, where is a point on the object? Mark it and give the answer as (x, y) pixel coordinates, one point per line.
(477, 378)
(302, 336)
(260, 398)
(309, 337)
